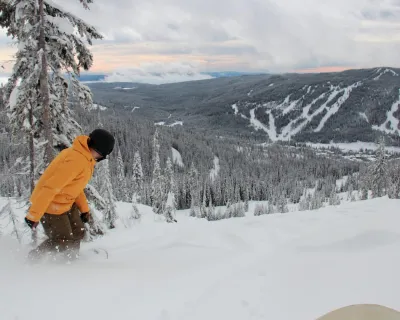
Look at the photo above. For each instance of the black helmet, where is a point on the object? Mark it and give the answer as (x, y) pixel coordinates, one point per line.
(102, 142)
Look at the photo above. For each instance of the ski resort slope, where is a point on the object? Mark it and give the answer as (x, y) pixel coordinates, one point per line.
(298, 265)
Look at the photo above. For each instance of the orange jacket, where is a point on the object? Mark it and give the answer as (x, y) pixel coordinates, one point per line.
(62, 183)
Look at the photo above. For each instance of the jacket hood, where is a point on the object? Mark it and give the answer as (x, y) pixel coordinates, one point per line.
(80, 144)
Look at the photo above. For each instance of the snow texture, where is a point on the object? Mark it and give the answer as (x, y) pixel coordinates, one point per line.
(298, 123)
(381, 73)
(364, 116)
(63, 24)
(257, 124)
(98, 107)
(176, 123)
(123, 88)
(235, 108)
(336, 106)
(14, 98)
(293, 266)
(391, 125)
(215, 170)
(353, 146)
(177, 157)
(163, 123)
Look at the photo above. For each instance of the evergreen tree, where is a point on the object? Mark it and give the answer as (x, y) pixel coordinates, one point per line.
(48, 44)
(378, 172)
(110, 211)
(237, 210)
(193, 184)
(170, 179)
(394, 182)
(137, 178)
(334, 199)
(305, 202)
(317, 200)
(203, 208)
(7, 212)
(282, 205)
(228, 210)
(170, 208)
(157, 194)
(260, 209)
(270, 208)
(121, 179)
(135, 214)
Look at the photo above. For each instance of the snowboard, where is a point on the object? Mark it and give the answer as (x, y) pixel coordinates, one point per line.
(362, 312)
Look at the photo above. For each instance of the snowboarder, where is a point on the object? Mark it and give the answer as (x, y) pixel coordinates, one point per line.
(58, 200)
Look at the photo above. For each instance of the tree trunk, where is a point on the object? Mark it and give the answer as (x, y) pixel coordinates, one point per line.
(44, 89)
(31, 150)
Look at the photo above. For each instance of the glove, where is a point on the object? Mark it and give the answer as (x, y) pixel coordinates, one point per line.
(32, 224)
(85, 217)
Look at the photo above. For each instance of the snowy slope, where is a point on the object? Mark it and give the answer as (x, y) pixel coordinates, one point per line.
(333, 99)
(298, 265)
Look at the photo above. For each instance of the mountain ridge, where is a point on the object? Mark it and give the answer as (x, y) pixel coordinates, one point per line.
(352, 105)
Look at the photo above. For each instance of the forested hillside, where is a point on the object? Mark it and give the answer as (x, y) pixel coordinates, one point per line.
(348, 106)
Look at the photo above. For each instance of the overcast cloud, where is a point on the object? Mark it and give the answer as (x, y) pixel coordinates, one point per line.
(243, 35)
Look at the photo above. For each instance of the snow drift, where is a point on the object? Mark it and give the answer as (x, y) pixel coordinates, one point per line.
(298, 265)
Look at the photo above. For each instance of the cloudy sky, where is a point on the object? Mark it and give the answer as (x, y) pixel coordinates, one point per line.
(241, 35)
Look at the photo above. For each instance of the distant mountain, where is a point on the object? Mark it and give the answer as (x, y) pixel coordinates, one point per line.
(350, 106)
(101, 77)
(92, 77)
(230, 74)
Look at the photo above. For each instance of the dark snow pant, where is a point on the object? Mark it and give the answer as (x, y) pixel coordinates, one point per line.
(64, 233)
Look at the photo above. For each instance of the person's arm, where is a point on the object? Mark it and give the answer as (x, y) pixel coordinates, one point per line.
(81, 203)
(65, 172)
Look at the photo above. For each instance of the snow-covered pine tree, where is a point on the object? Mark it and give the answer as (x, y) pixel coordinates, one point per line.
(334, 199)
(169, 177)
(157, 182)
(378, 176)
(305, 202)
(110, 211)
(237, 193)
(135, 214)
(394, 181)
(171, 190)
(51, 44)
(282, 206)
(203, 207)
(170, 208)
(121, 178)
(350, 193)
(317, 200)
(260, 209)
(97, 201)
(137, 178)
(228, 210)
(246, 197)
(237, 210)
(217, 191)
(211, 216)
(194, 191)
(7, 212)
(270, 208)
(50, 41)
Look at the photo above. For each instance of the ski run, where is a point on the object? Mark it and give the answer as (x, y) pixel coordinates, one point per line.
(333, 99)
(298, 265)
